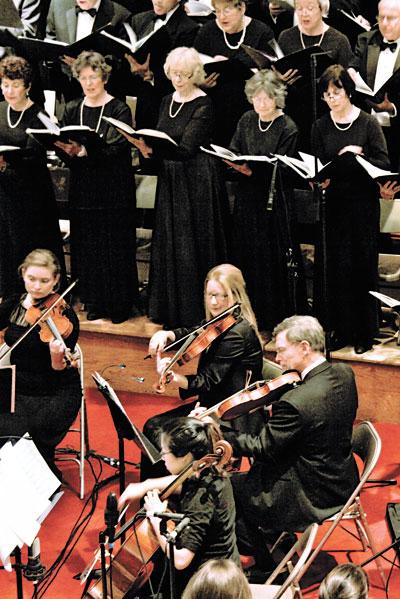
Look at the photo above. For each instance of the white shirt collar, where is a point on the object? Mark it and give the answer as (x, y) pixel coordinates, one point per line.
(317, 362)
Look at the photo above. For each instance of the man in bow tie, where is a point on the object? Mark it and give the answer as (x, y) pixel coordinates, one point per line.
(72, 20)
(376, 58)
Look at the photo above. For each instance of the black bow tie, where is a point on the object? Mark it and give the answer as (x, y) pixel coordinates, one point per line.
(391, 45)
(160, 17)
(91, 11)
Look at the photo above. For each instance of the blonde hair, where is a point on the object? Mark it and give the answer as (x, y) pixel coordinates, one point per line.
(218, 579)
(231, 279)
(345, 581)
(190, 59)
(44, 259)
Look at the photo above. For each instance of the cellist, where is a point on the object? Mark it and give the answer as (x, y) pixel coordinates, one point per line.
(206, 498)
(231, 361)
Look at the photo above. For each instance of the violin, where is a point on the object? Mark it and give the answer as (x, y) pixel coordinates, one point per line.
(132, 566)
(197, 342)
(260, 393)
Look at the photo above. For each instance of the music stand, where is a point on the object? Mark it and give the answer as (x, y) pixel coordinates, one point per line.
(125, 428)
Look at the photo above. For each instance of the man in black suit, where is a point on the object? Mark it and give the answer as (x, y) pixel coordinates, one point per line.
(149, 81)
(376, 57)
(72, 20)
(303, 469)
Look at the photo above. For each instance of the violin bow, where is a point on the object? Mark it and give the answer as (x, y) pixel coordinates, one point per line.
(200, 328)
(39, 320)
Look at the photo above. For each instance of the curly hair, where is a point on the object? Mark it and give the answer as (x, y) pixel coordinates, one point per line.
(93, 60)
(15, 67)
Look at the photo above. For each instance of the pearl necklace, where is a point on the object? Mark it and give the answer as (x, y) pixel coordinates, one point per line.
(240, 42)
(317, 44)
(177, 112)
(100, 117)
(19, 118)
(346, 127)
(268, 126)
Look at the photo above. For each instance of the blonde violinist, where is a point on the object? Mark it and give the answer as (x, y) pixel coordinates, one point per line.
(48, 389)
(232, 359)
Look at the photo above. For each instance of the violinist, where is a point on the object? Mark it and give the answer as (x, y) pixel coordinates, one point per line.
(48, 391)
(303, 469)
(206, 498)
(233, 359)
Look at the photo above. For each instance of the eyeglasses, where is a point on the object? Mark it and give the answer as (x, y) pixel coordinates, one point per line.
(227, 10)
(181, 75)
(388, 18)
(90, 78)
(309, 8)
(220, 297)
(332, 95)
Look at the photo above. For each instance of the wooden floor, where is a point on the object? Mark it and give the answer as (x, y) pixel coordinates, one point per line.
(108, 346)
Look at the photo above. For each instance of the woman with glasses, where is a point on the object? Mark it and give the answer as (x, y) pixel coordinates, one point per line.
(230, 362)
(352, 214)
(205, 497)
(188, 237)
(101, 198)
(28, 210)
(311, 30)
(221, 39)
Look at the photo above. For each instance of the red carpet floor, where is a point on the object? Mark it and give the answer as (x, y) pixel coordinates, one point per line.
(103, 439)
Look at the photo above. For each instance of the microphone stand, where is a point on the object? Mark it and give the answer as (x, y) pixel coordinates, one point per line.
(374, 557)
(103, 566)
(319, 195)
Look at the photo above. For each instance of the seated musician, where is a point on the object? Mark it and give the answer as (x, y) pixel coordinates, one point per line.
(48, 391)
(230, 360)
(205, 497)
(303, 469)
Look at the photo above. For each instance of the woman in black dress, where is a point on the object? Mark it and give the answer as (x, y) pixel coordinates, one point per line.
(188, 237)
(222, 38)
(205, 498)
(233, 360)
(48, 390)
(263, 241)
(352, 214)
(28, 211)
(102, 198)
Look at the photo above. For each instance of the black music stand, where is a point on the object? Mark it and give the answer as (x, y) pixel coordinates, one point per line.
(125, 428)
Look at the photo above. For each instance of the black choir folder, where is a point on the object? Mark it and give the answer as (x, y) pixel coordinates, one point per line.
(390, 87)
(310, 168)
(300, 61)
(151, 136)
(156, 41)
(226, 154)
(230, 69)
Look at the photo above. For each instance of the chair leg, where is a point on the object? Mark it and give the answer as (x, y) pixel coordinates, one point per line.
(362, 523)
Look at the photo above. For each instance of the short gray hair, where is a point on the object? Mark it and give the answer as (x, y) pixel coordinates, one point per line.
(302, 328)
(269, 82)
(93, 60)
(188, 57)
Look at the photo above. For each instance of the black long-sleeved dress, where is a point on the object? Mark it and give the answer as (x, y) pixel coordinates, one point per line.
(188, 237)
(28, 210)
(102, 209)
(263, 232)
(352, 224)
(47, 400)
(229, 98)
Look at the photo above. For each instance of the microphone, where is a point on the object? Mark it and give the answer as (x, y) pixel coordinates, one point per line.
(34, 569)
(171, 536)
(111, 514)
(165, 515)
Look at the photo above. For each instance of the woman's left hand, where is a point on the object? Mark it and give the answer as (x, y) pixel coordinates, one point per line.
(72, 148)
(57, 353)
(241, 168)
(353, 149)
(139, 143)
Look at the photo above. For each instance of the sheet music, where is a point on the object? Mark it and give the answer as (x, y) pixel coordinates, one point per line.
(32, 465)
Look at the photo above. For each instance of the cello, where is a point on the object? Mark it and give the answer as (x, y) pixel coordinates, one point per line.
(132, 566)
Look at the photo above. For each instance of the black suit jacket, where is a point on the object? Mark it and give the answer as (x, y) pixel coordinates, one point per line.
(304, 469)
